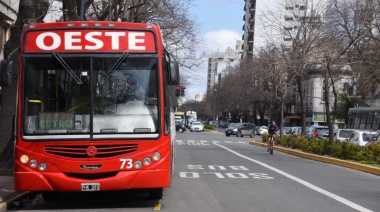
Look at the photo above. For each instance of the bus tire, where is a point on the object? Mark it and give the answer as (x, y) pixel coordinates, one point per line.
(50, 196)
(155, 193)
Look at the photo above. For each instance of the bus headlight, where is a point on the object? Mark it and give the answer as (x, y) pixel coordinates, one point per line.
(147, 161)
(156, 156)
(138, 164)
(33, 163)
(42, 166)
(24, 159)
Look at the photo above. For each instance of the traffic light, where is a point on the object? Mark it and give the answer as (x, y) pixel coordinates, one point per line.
(182, 90)
(278, 91)
(324, 94)
(178, 90)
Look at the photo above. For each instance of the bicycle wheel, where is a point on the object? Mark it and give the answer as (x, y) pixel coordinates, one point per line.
(271, 150)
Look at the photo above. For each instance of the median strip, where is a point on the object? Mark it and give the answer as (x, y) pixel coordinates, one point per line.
(325, 159)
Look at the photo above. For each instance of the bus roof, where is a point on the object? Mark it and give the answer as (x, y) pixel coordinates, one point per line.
(363, 109)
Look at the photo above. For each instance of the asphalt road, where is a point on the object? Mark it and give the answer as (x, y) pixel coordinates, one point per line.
(218, 173)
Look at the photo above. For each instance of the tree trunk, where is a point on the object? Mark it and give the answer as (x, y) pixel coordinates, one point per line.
(303, 106)
(29, 11)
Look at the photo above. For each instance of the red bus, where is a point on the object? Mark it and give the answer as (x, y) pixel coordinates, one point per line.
(94, 111)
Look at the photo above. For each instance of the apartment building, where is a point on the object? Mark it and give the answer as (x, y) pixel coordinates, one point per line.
(220, 62)
(249, 28)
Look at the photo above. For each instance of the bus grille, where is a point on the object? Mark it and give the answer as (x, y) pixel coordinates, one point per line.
(93, 176)
(103, 151)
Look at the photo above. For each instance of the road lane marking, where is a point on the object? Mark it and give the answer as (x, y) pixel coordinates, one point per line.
(303, 182)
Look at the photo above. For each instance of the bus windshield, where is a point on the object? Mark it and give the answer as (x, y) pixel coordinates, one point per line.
(90, 95)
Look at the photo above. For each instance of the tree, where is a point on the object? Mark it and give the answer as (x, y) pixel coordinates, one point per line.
(29, 12)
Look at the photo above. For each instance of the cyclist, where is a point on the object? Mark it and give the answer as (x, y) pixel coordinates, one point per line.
(272, 131)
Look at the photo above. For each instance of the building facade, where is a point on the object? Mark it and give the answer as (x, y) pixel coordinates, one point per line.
(200, 97)
(8, 15)
(222, 61)
(249, 28)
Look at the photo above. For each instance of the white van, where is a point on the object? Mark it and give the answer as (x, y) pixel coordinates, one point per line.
(342, 134)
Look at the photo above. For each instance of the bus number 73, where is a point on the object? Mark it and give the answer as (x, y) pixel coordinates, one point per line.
(126, 163)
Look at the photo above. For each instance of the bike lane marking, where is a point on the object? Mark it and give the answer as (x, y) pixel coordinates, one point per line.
(302, 182)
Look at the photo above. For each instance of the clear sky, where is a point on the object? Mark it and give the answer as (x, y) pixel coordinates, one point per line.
(222, 24)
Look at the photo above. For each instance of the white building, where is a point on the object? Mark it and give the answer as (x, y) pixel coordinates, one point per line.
(294, 10)
(200, 97)
(220, 61)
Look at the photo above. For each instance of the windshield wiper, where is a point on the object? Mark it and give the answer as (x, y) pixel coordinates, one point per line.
(67, 67)
(115, 66)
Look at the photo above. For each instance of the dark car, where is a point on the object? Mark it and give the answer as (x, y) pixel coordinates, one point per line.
(241, 129)
(179, 126)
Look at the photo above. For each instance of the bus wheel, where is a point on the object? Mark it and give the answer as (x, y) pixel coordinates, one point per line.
(50, 196)
(155, 193)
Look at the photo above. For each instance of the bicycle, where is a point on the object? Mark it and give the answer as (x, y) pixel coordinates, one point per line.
(270, 143)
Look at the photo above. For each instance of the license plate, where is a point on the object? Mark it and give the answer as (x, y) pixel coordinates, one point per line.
(90, 186)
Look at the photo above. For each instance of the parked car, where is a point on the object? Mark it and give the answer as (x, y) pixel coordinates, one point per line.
(246, 129)
(196, 126)
(318, 132)
(296, 131)
(342, 134)
(286, 130)
(361, 137)
(179, 126)
(223, 123)
(261, 130)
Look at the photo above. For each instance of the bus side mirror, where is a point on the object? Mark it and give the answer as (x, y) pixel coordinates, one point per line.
(6, 67)
(174, 73)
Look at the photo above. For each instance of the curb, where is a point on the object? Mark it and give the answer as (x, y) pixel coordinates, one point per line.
(5, 205)
(212, 131)
(325, 159)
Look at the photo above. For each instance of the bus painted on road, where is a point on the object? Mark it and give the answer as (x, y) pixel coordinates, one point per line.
(94, 111)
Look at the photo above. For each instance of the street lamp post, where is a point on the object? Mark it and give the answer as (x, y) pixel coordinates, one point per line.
(214, 115)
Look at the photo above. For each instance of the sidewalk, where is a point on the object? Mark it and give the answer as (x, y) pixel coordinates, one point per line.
(7, 192)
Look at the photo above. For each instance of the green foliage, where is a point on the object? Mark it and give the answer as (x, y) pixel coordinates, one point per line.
(315, 146)
(264, 137)
(208, 126)
(344, 150)
(285, 140)
(364, 154)
(336, 149)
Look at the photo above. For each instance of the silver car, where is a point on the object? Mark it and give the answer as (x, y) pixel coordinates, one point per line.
(196, 126)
